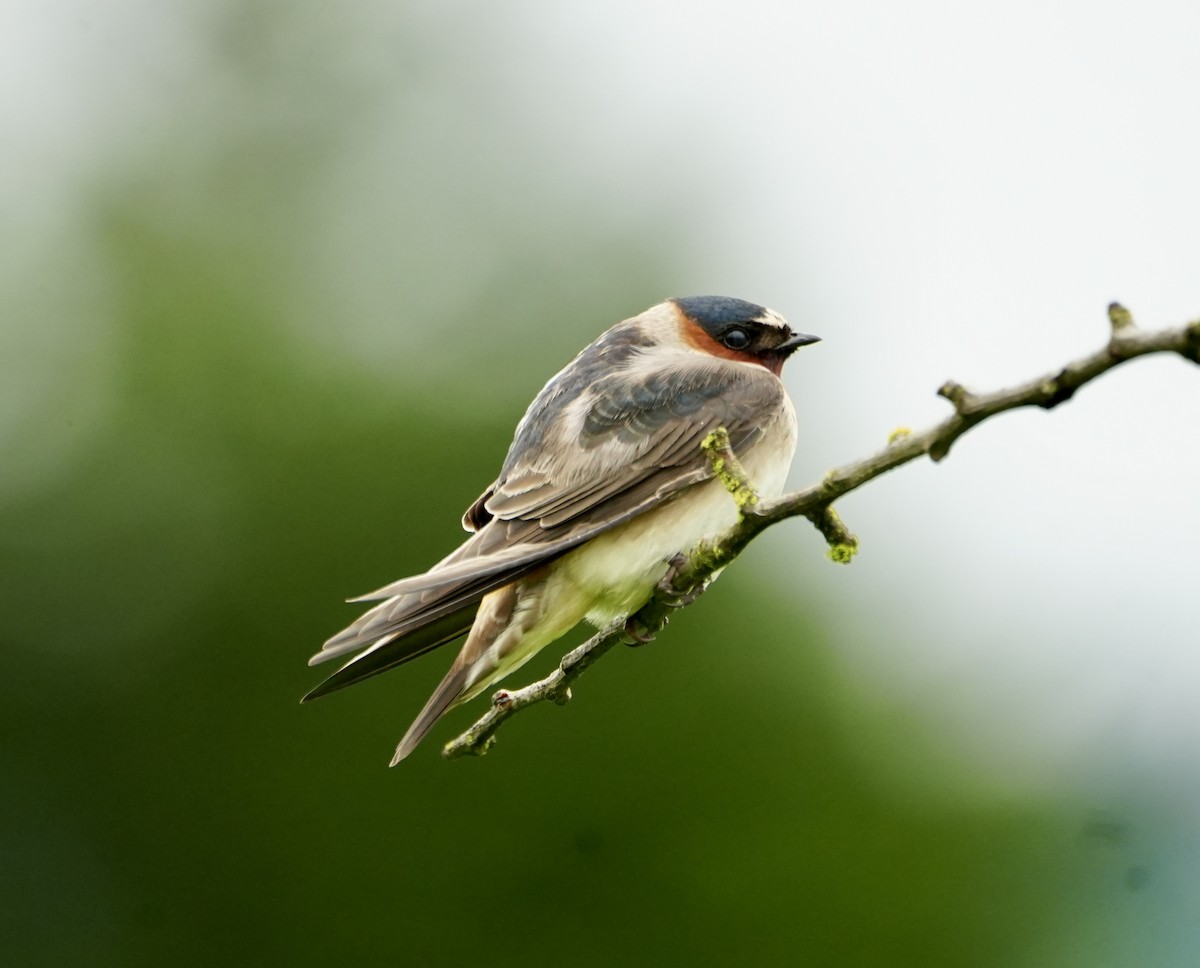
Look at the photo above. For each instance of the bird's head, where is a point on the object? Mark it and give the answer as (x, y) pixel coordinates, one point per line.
(738, 330)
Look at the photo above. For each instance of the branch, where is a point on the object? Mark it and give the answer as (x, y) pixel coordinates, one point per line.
(689, 576)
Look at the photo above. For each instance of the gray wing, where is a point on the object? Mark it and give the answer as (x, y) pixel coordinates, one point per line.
(626, 443)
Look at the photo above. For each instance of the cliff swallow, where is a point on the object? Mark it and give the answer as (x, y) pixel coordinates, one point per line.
(604, 484)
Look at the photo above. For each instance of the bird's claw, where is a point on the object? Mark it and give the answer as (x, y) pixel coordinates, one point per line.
(637, 633)
(672, 596)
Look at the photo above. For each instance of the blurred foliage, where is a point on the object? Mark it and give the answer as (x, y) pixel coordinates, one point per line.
(170, 802)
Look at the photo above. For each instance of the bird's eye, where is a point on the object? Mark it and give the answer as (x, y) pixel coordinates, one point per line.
(736, 339)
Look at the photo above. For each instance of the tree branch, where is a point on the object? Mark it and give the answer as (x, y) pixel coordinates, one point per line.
(689, 576)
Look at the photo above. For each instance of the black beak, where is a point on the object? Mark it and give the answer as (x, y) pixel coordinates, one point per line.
(789, 346)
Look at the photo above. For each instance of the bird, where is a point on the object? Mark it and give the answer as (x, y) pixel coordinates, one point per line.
(605, 484)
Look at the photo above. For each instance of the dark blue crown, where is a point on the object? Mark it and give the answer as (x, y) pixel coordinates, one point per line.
(716, 312)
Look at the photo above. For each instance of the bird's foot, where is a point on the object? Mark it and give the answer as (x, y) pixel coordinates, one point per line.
(637, 632)
(670, 594)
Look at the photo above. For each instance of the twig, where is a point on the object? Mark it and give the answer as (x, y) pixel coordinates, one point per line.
(689, 576)
(556, 687)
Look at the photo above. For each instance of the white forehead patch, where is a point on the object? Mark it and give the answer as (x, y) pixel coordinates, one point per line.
(773, 319)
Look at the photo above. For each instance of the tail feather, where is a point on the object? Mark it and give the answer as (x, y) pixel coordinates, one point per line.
(454, 570)
(392, 650)
(405, 615)
(471, 669)
(447, 692)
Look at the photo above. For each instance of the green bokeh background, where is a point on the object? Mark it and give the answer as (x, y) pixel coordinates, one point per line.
(201, 470)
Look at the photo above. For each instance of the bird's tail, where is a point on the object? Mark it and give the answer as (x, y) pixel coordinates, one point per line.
(449, 690)
(474, 667)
